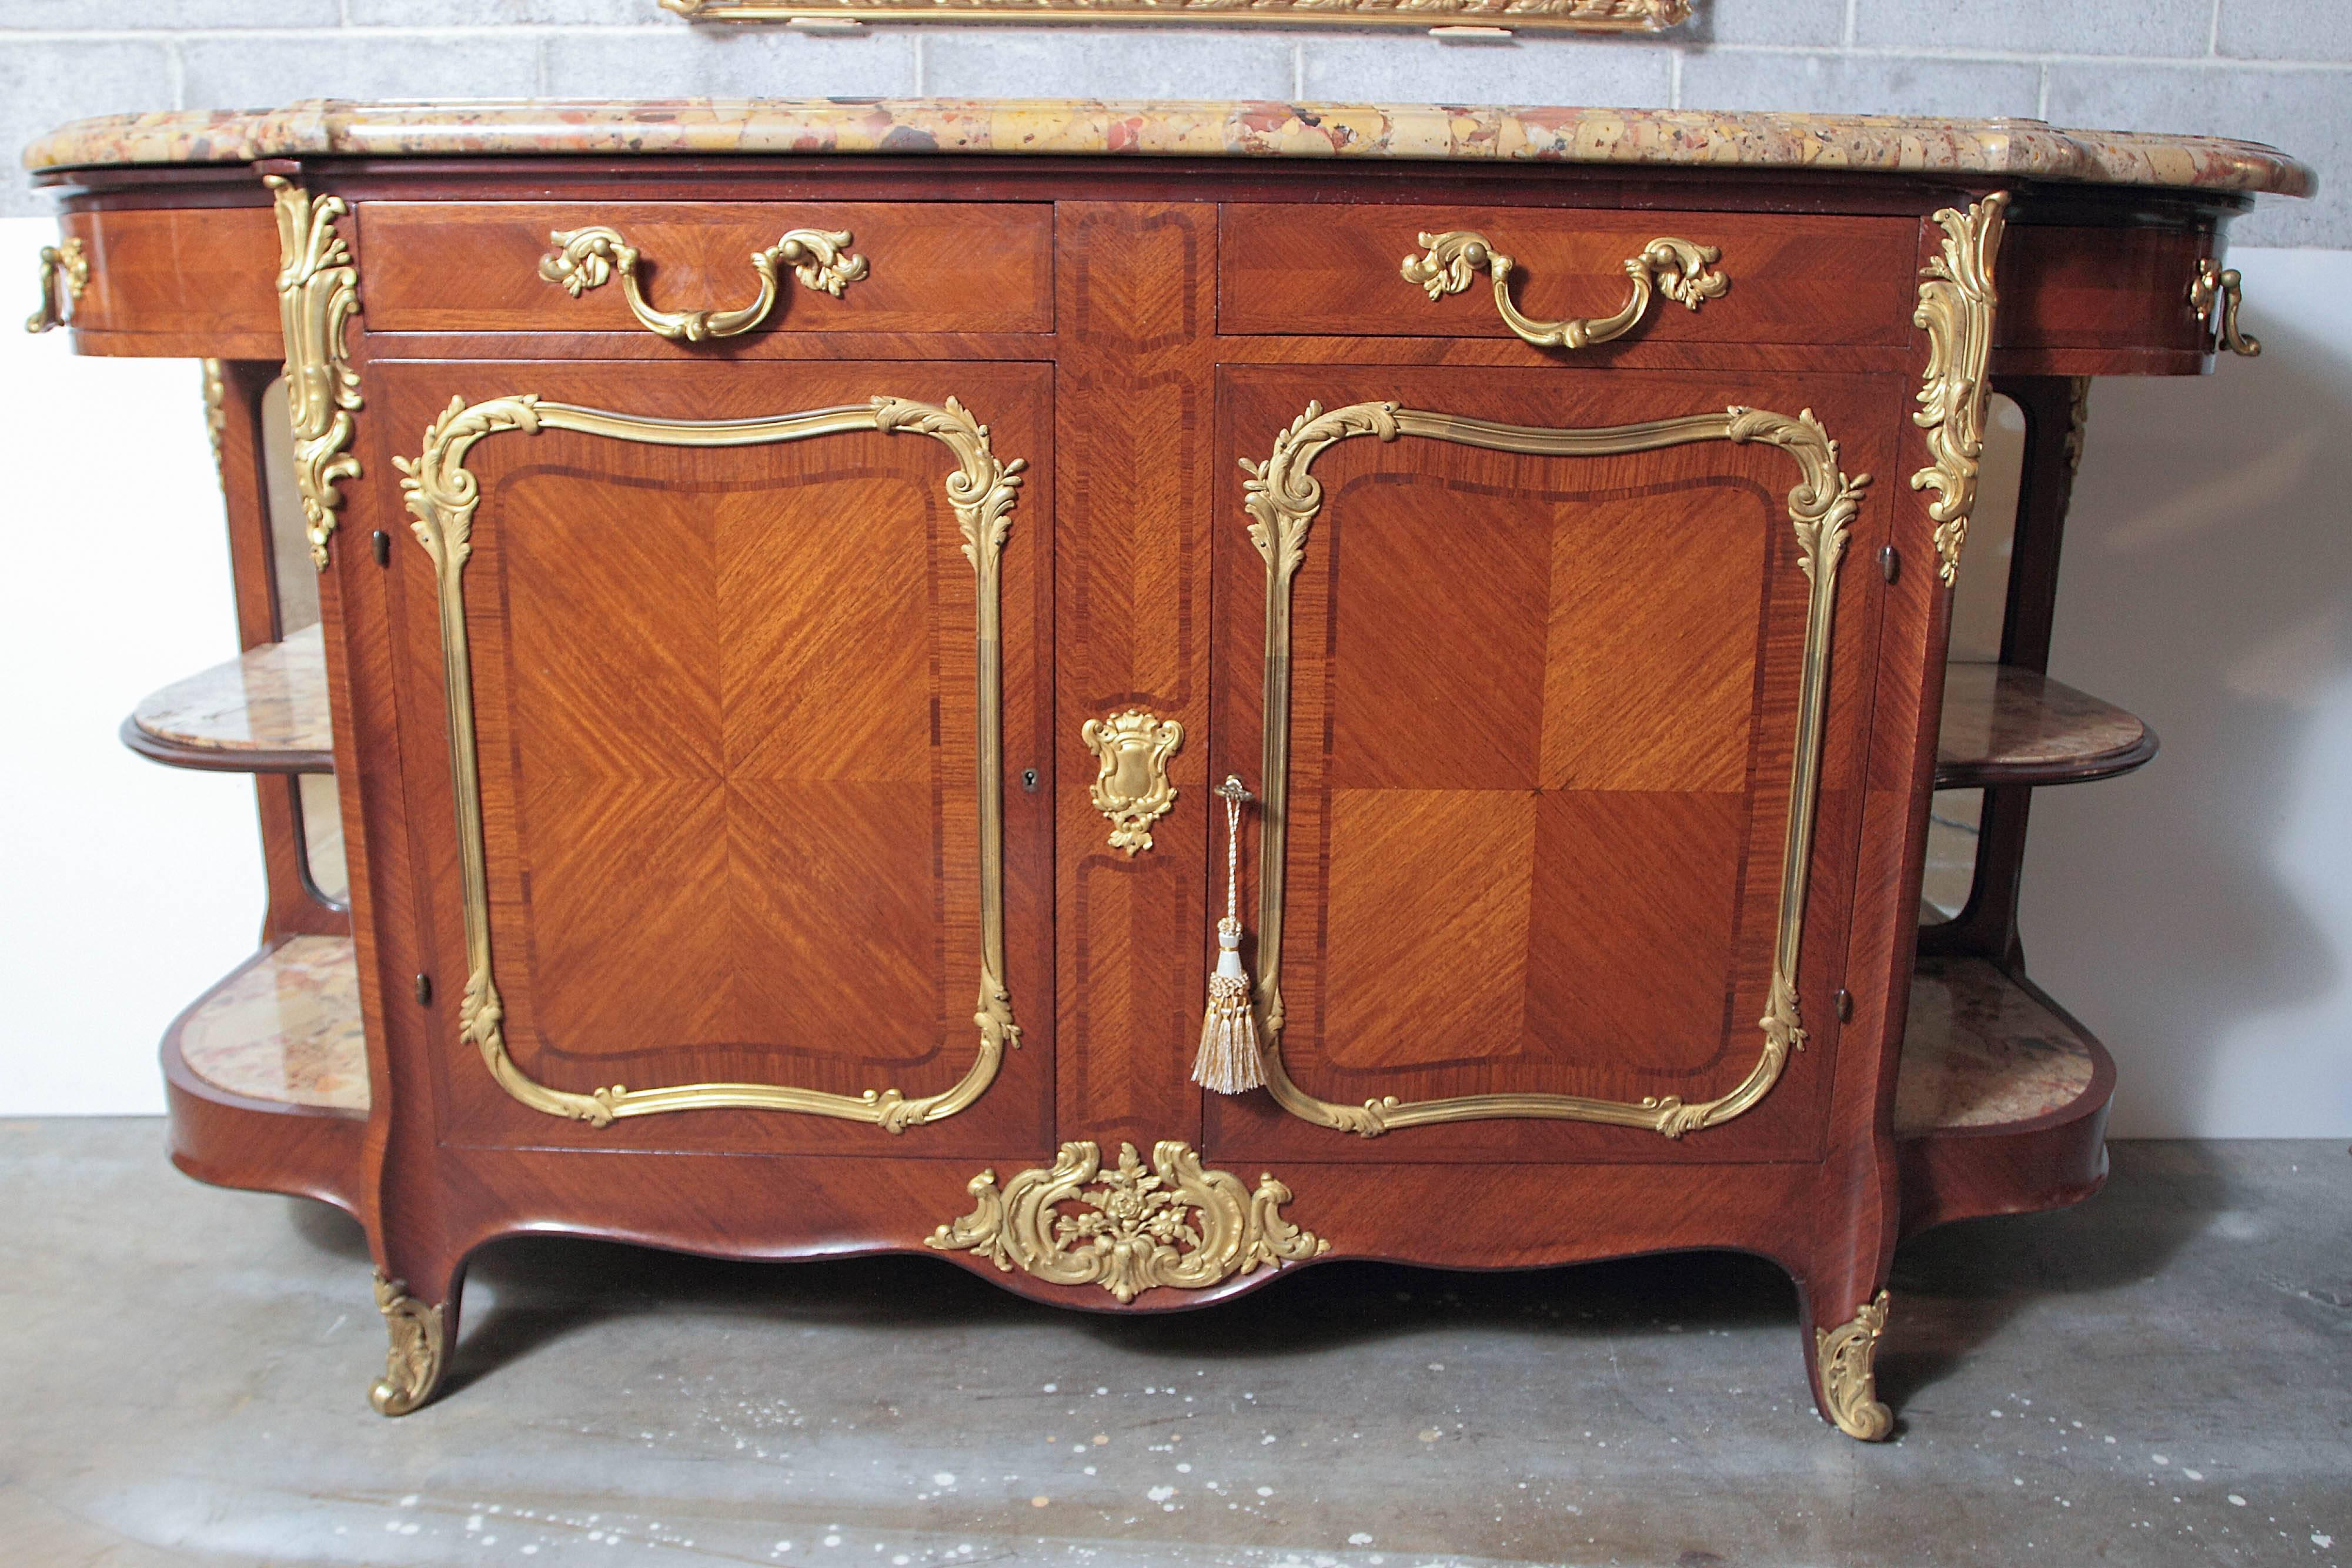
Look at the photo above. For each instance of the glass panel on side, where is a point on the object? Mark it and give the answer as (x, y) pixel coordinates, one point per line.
(1979, 607)
(296, 585)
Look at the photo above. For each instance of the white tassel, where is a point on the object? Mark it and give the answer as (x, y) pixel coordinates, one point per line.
(1228, 1062)
(1229, 1059)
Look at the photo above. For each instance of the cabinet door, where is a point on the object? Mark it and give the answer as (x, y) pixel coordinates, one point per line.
(719, 682)
(1551, 682)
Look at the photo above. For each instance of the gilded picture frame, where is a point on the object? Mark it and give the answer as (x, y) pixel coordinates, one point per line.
(1559, 15)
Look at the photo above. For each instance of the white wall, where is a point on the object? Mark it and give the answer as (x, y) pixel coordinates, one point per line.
(2197, 914)
(125, 888)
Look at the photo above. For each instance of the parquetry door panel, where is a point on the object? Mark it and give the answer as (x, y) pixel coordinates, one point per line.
(740, 678)
(1558, 833)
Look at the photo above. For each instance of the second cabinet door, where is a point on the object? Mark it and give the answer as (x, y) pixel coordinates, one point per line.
(721, 680)
(1552, 684)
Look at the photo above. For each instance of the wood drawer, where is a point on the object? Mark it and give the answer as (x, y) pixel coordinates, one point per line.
(183, 282)
(1297, 270)
(932, 267)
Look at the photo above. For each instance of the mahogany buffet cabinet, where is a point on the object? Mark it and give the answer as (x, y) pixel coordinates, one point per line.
(809, 619)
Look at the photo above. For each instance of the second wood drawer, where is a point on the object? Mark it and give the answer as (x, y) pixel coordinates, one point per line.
(1315, 271)
(931, 266)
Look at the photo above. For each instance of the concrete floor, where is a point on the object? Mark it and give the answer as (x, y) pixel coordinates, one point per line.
(2163, 1375)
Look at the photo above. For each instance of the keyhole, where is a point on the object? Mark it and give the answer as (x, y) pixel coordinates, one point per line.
(1029, 780)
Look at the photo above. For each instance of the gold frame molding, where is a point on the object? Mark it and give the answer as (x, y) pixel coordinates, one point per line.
(1683, 272)
(318, 295)
(1957, 302)
(442, 497)
(1534, 15)
(1129, 1242)
(1131, 786)
(588, 259)
(1283, 497)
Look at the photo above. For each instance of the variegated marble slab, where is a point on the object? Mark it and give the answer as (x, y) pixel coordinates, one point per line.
(1999, 716)
(270, 698)
(286, 1028)
(1979, 1052)
(2025, 149)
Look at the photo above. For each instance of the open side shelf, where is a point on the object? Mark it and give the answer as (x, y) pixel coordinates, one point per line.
(267, 1074)
(2003, 724)
(2001, 1106)
(2000, 1103)
(264, 711)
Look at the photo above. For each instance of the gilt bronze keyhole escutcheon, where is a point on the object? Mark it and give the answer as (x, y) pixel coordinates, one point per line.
(1131, 785)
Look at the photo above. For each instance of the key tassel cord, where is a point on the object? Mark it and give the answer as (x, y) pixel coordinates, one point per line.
(1229, 1062)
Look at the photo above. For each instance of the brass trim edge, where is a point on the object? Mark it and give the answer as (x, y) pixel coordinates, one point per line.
(1175, 1226)
(442, 497)
(65, 274)
(318, 295)
(215, 404)
(2078, 423)
(1956, 310)
(1847, 1357)
(2215, 294)
(1131, 787)
(589, 257)
(1283, 497)
(413, 1365)
(1574, 15)
(1676, 268)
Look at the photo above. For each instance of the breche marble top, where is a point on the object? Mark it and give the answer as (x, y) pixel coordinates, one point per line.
(2023, 149)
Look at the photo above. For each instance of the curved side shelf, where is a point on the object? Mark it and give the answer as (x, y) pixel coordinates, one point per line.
(267, 1074)
(2003, 724)
(264, 711)
(2000, 1103)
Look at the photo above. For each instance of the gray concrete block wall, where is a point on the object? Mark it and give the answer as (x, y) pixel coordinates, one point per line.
(2274, 70)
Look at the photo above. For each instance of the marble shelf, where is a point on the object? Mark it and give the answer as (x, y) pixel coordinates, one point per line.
(2000, 1099)
(1980, 1051)
(2009, 725)
(264, 711)
(285, 1029)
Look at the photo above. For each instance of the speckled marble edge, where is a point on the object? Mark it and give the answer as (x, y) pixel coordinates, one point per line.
(2025, 149)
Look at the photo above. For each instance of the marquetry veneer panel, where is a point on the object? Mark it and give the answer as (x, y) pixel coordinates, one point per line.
(931, 266)
(1288, 270)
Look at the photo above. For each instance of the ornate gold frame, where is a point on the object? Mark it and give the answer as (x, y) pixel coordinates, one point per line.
(1130, 1243)
(442, 496)
(1283, 498)
(1573, 15)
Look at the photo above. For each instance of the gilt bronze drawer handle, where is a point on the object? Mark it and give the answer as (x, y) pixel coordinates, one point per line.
(587, 258)
(65, 273)
(1674, 267)
(2215, 294)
